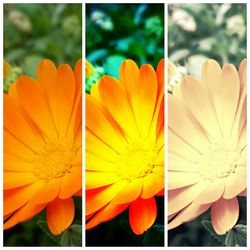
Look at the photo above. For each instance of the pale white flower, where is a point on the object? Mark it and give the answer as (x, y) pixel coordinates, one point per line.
(184, 20)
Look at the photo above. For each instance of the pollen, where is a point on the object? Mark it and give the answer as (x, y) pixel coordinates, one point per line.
(219, 161)
(54, 161)
(136, 161)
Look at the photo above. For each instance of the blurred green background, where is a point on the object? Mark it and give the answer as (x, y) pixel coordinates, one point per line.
(37, 31)
(115, 32)
(197, 32)
(33, 32)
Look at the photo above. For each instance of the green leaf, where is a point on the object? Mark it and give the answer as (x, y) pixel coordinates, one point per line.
(43, 225)
(237, 236)
(72, 236)
(126, 226)
(154, 236)
(30, 65)
(209, 227)
(97, 55)
(65, 239)
(112, 65)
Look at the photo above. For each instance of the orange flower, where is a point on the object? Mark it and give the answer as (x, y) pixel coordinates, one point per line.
(125, 146)
(207, 146)
(42, 146)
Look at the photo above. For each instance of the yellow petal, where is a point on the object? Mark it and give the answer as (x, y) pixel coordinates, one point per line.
(105, 214)
(100, 179)
(152, 184)
(130, 192)
(98, 198)
(17, 179)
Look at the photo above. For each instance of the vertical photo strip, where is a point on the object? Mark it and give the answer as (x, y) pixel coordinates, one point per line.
(42, 118)
(124, 124)
(207, 124)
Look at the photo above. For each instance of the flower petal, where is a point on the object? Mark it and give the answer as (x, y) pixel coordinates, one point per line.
(189, 213)
(101, 124)
(16, 149)
(99, 197)
(130, 192)
(129, 78)
(178, 163)
(14, 164)
(48, 192)
(224, 215)
(182, 179)
(71, 182)
(229, 97)
(181, 197)
(105, 214)
(152, 184)
(115, 100)
(212, 193)
(60, 215)
(197, 101)
(17, 179)
(21, 128)
(23, 214)
(183, 126)
(142, 215)
(35, 105)
(100, 179)
(235, 184)
(16, 198)
(65, 96)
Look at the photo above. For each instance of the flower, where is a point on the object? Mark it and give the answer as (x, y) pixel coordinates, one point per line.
(184, 20)
(42, 146)
(93, 74)
(175, 75)
(10, 74)
(125, 146)
(207, 146)
(89, 69)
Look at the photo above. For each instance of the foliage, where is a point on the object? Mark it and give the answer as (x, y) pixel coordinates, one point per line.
(115, 32)
(35, 232)
(37, 31)
(215, 31)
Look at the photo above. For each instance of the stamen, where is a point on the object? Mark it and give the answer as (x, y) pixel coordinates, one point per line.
(54, 161)
(136, 161)
(219, 161)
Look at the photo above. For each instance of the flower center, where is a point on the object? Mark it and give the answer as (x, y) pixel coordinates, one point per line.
(219, 161)
(54, 161)
(136, 161)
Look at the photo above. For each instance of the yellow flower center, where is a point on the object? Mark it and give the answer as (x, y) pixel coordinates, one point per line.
(136, 161)
(219, 161)
(54, 161)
